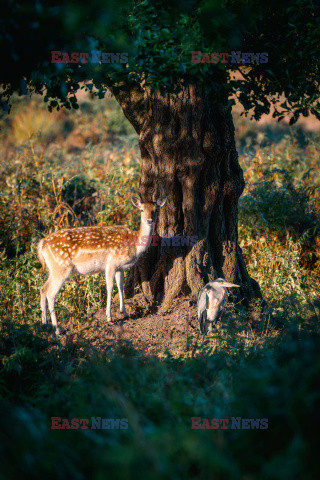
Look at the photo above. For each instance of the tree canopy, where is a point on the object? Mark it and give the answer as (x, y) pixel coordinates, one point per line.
(159, 37)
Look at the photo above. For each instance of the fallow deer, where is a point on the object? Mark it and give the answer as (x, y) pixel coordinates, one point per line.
(87, 250)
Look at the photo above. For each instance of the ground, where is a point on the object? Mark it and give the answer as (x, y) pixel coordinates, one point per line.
(175, 333)
(147, 330)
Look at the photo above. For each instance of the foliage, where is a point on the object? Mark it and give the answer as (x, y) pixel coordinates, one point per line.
(158, 399)
(159, 37)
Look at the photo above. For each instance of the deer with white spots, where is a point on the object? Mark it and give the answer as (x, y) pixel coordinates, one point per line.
(87, 250)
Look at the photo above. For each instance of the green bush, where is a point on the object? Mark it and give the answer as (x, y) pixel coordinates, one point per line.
(280, 208)
(159, 398)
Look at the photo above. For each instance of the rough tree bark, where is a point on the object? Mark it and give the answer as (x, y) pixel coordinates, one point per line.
(188, 153)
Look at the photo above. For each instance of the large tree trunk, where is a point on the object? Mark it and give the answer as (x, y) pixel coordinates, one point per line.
(188, 153)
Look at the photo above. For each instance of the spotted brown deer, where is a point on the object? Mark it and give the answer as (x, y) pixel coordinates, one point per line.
(87, 250)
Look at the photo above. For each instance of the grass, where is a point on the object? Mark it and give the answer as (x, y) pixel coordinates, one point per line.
(79, 168)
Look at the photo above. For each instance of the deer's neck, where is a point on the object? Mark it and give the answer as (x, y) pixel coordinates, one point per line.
(144, 237)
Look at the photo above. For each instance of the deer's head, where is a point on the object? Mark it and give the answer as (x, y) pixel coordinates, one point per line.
(149, 210)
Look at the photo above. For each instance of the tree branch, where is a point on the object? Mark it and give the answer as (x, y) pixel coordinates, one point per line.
(131, 99)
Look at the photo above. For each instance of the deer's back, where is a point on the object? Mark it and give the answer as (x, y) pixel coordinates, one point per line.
(87, 249)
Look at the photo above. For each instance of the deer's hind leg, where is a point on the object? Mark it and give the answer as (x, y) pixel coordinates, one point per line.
(43, 301)
(56, 282)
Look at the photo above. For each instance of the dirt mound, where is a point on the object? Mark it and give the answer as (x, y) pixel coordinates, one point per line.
(148, 331)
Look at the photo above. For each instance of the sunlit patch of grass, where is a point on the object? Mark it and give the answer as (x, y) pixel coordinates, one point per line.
(37, 124)
(280, 206)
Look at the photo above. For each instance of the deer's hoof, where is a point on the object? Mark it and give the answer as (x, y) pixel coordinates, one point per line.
(60, 330)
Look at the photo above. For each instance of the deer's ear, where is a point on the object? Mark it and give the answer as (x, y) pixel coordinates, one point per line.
(136, 202)
(161, 201)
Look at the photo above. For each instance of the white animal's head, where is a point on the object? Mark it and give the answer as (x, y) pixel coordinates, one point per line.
(149, 210)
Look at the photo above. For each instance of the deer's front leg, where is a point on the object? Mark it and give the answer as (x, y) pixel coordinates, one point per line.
(119, 280)
(110, 274)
